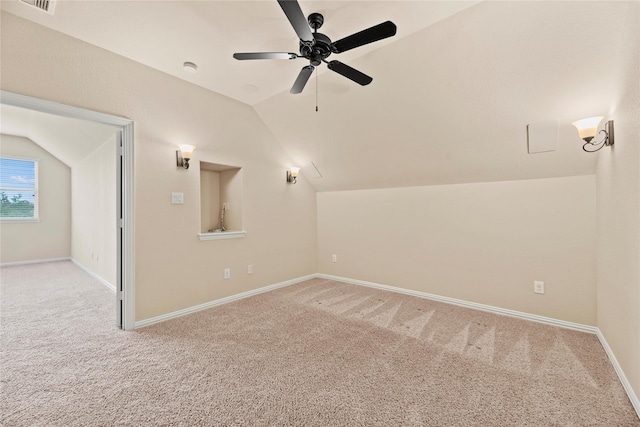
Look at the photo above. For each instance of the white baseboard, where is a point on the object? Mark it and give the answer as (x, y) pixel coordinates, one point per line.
(35, 261)
(41, 261)
(526, 316)
(468, 304)
(633, 397)
(95, 276)
(210, 304)
(492, 309)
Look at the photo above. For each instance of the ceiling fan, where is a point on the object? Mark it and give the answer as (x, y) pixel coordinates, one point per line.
(317, 47)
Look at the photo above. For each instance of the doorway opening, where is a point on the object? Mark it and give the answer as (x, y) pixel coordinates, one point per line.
(125, 303)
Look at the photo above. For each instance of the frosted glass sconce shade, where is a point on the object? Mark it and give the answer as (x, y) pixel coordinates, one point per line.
(588, 129)
(292, 175)
(183, 155)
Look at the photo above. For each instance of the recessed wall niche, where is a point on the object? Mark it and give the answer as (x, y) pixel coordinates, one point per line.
(220, 201)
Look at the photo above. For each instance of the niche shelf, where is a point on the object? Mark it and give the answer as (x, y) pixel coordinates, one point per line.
(220, 189)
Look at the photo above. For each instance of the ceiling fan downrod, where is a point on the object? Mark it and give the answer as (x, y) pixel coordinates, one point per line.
(316, 47)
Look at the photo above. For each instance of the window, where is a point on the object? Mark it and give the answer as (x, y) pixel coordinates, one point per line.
(18, 189)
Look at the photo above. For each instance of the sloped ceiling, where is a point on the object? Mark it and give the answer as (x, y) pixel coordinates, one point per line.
(69, 140)
(451, 103)
(451, 96)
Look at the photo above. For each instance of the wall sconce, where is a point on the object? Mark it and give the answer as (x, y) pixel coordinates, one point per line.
(292, 175)
(183, 155)
(588, 129)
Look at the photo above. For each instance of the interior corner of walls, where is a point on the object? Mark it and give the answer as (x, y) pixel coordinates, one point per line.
(626, 384)
(539, 230)
(96, 276)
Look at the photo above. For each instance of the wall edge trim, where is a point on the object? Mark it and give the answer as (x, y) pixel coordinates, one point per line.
(35, 261)
(100, 279)
(179, 313)
(489, 308)
(635, 402)
(631, 394)
(633, 398)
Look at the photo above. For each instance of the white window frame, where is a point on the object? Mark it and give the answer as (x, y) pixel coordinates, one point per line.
(36, 211)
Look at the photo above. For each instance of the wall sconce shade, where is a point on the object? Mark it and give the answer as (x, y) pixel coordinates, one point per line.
(292, 175)
(183, 155)
(588, 129)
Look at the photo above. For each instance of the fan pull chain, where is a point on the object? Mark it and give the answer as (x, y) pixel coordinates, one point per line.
(316, 89)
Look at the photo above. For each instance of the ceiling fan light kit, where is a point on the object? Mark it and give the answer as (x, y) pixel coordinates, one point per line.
(317, 47)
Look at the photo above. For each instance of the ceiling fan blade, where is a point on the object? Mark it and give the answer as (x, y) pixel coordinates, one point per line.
(265, 55)
(370, 35)
(301, 81)
(350, 73)
(291, 8)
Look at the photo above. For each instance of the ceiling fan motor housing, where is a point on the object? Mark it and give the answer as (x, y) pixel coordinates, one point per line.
(320, 50)
(316, 47)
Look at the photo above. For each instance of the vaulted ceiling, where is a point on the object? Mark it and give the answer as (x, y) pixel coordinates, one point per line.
(451, 96)
(68, 139)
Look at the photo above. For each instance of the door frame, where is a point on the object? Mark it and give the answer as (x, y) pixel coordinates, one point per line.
(125, 288)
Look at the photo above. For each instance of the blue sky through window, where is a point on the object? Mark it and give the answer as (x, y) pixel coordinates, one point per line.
(18, 177)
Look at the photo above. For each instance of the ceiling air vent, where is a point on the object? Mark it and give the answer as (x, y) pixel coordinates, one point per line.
(43, 5)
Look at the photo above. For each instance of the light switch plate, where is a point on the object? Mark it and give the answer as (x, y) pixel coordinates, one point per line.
(177, 198)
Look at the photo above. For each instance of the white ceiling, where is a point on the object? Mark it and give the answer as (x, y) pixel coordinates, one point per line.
(165, 34)
(68, 139)
(451, 96)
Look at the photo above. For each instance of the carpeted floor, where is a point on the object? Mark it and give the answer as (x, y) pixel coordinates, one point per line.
(319, 353)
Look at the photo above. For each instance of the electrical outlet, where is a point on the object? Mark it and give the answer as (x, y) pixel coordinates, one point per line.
(227, 273)
(334, 258)
(538, 287)
(250, 269)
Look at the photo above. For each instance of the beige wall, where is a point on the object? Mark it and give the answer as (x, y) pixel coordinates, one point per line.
(618, 193)
(231, 194)
(484, 242)
(480, 242)
(209, 200)
(93, 209)
(218, 188)
(175, 270)
(49, 238)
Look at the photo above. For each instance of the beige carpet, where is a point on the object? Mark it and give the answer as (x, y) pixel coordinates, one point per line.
(319, 353)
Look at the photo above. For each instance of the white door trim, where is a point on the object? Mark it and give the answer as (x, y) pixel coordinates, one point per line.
(127, 272)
